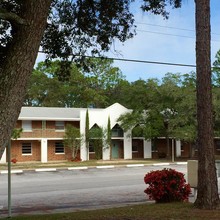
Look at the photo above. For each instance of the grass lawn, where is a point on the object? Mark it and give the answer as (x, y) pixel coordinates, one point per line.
(171, 211)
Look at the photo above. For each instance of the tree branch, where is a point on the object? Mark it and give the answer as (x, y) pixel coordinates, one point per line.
(11, 17)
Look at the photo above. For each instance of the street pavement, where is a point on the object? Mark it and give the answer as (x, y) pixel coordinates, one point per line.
(50, 190)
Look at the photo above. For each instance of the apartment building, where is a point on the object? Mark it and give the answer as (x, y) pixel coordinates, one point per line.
(44, 129)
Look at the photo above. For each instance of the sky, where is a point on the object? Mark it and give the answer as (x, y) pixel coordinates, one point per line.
(167, 41)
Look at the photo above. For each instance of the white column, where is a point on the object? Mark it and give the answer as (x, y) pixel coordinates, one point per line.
(83, 152)
(106, 153)
(147, 149)
(127, 146)
(3, 159)
(178, 148)
(44, 150)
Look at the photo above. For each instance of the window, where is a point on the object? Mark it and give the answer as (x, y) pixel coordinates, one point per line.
(134, 148)
(59, 148)
(117, 131)
(59, 125)
(218, 145)
(27, 125)
(153, 145)
(26, 149)
(91, 149)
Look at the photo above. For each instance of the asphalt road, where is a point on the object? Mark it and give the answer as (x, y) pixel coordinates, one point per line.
(63, 190)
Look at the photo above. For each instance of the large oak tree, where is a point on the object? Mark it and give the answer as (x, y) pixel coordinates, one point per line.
(64, 29)
(22, 26)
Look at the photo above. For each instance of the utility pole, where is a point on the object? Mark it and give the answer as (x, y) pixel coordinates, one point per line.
(9, 178)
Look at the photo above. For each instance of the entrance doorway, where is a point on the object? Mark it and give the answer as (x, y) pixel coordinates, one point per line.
(115, 150)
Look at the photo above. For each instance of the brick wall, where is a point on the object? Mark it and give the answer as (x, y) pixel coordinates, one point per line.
(52, 156)
(38, 132)
(16, 151)
(49, 132)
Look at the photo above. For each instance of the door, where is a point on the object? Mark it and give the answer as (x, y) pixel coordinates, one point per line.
(115, 150)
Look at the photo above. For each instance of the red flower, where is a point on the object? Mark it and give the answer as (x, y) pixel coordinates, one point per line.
(167, 185)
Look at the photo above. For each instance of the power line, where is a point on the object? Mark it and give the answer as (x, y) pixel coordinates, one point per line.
(170, 27)
(133, 60)
(143, 61)
(175, 35)
(138, 61)
(163, 26)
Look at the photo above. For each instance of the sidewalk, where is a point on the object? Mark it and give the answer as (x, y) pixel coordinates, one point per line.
(53, 167)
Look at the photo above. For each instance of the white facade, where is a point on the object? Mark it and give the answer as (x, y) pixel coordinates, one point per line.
(3, 159)
(100, 118)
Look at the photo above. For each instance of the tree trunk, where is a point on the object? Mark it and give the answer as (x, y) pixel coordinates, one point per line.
(19, 63)
(207, 197)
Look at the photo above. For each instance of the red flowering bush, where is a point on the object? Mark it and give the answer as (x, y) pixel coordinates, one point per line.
(14, 160)
(167, 185)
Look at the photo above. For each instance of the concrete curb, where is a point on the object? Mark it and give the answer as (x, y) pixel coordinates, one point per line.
(46, 169)
(12, 171)
(105, 167)
(96, 167)
(161, 164)
(181, 163)
(135, 165)
(77, 168)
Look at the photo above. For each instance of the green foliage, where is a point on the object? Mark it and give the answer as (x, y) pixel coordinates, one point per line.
(16, 133)
(82, 89)
(76, 26)
(45, 88)
(159, 7)
(216, 93)
(72, 139)
(87, 129)
(166, 109)
(109, 137)
(96, 139)
(216, 70)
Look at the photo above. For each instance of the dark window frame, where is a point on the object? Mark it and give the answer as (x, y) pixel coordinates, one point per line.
(59, 148)
(26, 148)
(134, 148)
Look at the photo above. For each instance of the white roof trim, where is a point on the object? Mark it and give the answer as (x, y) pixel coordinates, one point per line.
(36, 139)
(48, 119)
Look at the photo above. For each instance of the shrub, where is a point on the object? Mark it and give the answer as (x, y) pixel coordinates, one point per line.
(167, 185)
(14, 160)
